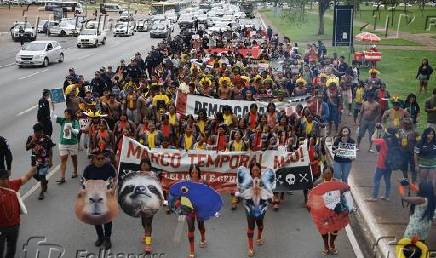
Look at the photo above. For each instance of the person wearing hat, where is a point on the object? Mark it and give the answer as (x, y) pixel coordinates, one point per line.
(10, 207)
(101, 169)
(301, 89)
(43, 115)
(394, 117)
(42, 155)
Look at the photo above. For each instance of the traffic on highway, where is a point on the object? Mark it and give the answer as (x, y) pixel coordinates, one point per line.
(194, 130)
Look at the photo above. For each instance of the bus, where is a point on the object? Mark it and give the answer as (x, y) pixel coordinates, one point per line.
(68, 6)
(162, 7)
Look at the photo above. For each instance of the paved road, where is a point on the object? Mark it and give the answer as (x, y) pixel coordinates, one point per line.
(21, 88)
(288, 233)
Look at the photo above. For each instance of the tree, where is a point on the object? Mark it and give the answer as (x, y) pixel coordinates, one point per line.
(323, 5)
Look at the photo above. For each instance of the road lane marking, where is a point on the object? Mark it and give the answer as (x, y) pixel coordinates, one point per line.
(353, 242)
(32, 74)
(7, 65)
(263, 22)
(27, 110)
(38, 185)
(85, 56)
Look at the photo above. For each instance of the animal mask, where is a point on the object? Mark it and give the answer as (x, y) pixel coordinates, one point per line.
(96, 203)
(140, 194)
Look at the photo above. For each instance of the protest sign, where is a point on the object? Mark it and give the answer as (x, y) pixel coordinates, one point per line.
(218, 168)
(346, 150)
(188, 104)
(293, 178)
(57, 95)
(324, 201)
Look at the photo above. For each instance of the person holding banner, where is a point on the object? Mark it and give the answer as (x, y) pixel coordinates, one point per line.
(68, 142)
(147, 217)
(329, 238)
(256, 190)
(344, 149)
(195, 175)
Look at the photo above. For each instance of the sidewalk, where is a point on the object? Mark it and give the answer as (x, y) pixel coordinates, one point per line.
(385, 221)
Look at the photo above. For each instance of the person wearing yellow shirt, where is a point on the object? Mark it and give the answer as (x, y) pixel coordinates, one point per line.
(201, 144)
(72, 87)
(172, 115)
(394, 117)
(229, 118)
(160, 99)
(310, 127)
(187, 140)
(237, 144)
(153, 137)
(201, 121)
(358, 100)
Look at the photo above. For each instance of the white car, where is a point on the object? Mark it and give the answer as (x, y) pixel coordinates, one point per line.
(39, 53)
(160, 30)
(26, 29)
(65, 28)
(124, 29)
(90, 37)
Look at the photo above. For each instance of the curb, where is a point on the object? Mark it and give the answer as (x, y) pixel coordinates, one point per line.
(377, 239)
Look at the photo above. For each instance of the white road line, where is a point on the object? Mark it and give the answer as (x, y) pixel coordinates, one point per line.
(27, 110)
(353, 241)
(263, 22)
(38, 185)
(7, 65)
(32, 74)
(85, 56)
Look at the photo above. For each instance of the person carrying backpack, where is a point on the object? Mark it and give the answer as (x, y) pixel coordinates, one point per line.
(10, 211)
(389, 157)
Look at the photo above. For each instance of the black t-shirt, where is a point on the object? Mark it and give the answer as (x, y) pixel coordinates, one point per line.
(43, 109)
(105, 172)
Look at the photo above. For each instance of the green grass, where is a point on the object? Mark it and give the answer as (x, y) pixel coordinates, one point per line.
(417, 26)
(303, 32)
(398, 69)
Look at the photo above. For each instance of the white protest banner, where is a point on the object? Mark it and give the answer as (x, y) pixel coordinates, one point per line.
(191, 104)
(218, 168)
(346, 150)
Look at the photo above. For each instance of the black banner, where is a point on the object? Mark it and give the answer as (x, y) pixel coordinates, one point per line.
(293, 178)
(343, 25)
